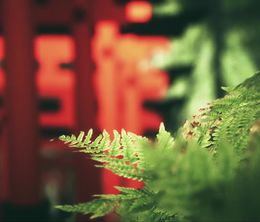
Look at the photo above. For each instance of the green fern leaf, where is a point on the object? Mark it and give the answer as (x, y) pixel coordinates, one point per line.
(105, 141)
(115, 145)
(164, 138)
(97, 208)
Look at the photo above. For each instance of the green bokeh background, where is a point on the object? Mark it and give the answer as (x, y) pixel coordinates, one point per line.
(223, 48)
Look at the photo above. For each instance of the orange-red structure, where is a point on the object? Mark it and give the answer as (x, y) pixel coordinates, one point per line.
(100, 79)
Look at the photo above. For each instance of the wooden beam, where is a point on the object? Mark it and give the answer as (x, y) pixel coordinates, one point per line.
(22, 122)
(89, 177)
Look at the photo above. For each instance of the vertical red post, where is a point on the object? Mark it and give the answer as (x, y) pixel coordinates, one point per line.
(89, 181)
(24, 176)
(109, 113)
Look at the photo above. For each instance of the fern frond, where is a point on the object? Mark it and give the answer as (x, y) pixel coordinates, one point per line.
(97, 207)
(186, 177)
(77, 142)
(122, 155)
(164, 138)
(160, 215)
(124, 169)
(115, 145)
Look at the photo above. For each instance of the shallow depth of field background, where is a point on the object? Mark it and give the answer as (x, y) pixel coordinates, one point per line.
(71, 65)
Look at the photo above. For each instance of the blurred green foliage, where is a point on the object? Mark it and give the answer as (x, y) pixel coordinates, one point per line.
(223, 47)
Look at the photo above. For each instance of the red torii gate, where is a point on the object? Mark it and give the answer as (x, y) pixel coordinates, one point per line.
(85, 15)
(23, 137)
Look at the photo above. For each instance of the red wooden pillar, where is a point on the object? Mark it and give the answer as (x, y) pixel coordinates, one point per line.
(106, 39)
(24, 198)
(89, 181)
(21, 104)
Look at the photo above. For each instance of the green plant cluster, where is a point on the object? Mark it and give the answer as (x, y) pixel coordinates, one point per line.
(210, 171)
(214, 46)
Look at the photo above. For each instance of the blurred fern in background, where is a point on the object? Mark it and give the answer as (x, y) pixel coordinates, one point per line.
(222, 48)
